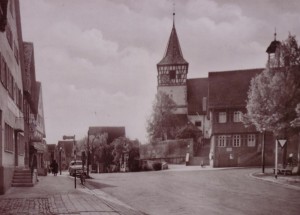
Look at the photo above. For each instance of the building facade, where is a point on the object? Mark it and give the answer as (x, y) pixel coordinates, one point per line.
(19, 99)
(12, 148)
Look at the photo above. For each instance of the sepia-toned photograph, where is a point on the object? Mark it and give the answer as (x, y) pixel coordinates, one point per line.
(149, 107)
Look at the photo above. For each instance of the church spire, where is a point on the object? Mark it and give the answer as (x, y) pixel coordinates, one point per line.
(173, 53)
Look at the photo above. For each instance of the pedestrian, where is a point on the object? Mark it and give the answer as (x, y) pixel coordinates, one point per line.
(33, 164)
(54, 167)
(290, 160)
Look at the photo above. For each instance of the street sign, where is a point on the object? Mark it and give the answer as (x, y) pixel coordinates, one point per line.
(282, 142)
(65, 137)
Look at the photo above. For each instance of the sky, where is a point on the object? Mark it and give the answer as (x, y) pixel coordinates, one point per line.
(96, 59)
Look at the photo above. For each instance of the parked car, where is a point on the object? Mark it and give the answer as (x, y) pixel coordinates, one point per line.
(76, 165)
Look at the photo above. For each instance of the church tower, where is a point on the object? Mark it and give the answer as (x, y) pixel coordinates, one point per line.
(172, 73)
(273, 51)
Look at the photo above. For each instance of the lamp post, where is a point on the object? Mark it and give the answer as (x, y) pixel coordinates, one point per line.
(88, 156)
(60, 149)
(263, 151)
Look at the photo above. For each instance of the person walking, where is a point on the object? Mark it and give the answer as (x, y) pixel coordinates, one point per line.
(33, 164)
(54, 167)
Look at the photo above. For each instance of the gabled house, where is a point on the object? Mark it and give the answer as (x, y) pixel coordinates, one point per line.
(232, 143)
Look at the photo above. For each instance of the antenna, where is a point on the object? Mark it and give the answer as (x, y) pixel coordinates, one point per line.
(275, 34)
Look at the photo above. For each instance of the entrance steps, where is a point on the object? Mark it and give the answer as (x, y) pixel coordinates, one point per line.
(22, 178)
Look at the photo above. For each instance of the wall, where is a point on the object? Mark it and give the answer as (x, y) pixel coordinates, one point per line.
(179, 96)
(167, 149)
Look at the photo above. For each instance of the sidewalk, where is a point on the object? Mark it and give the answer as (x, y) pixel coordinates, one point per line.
(57, 195)
(290, 181)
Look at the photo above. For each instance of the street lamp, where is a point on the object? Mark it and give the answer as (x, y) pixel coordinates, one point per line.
(263, 151)
(60, 149)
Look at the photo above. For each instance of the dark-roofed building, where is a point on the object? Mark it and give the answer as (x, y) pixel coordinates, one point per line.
(232, 143)
(112, 132)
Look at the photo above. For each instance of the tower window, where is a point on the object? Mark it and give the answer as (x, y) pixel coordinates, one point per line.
(198, 123)
(173, 74)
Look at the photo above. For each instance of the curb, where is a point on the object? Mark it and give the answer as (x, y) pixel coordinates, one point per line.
(290, 186)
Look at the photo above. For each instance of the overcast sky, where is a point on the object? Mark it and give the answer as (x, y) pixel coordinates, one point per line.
(97, 59)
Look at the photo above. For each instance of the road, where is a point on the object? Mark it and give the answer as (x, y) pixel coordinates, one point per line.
(177, 192)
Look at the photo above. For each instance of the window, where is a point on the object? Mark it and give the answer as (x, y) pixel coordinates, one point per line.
(198, 123)
(251, 140)
(237, 116)
(236, 140)
(222, 117)
(16, 52)
(172, 74)
(222, 141)
(21, 145)
(3, 71)
(9, 138)
(9, 36)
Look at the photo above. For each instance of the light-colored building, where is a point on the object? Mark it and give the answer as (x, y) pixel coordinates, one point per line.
(12, 148)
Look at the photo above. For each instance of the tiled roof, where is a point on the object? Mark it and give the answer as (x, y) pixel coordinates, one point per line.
(173, 54)
(113, 132)
(229, 88)
(197, 89)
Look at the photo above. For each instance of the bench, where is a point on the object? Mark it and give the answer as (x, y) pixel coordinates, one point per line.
(287, 170)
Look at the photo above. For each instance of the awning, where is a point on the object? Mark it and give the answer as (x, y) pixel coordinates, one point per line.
(40, 147)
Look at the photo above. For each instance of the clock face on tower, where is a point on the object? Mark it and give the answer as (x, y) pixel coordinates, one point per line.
(164, 78)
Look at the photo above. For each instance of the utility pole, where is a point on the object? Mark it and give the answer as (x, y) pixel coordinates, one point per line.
(263, 150)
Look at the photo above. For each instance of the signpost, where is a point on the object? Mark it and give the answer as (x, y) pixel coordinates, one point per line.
(281, 142)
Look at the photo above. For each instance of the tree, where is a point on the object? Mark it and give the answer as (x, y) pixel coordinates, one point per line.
(162, 122)
(191, 131)
(274, 94)
(122, 146)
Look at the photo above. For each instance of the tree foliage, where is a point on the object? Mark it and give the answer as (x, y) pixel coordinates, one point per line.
(162, 122)
(274, 94)
(122, 146)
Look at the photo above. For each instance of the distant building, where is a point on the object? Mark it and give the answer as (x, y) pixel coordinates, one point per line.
(66, 148)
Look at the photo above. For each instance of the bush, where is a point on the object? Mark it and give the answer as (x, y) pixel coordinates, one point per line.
(157, 166)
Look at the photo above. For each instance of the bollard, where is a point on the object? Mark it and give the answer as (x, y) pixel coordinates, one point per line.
(75, 179)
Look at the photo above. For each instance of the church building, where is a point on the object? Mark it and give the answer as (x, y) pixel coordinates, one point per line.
(215, 105)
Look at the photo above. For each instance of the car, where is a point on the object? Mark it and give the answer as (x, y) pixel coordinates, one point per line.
(76, 167)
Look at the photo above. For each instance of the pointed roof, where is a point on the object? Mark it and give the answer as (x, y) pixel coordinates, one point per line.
(273, 45)
(173, 53)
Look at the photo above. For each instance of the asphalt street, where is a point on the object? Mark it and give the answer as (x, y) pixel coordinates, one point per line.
(196, 191)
